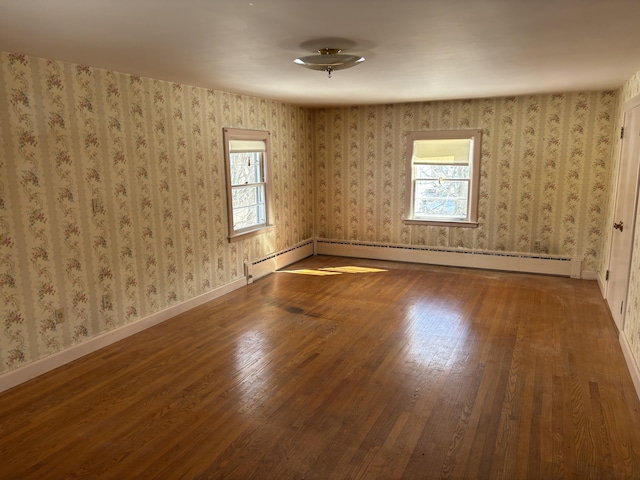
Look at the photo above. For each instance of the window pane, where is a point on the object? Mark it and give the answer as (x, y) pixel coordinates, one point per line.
(441, 171)
(246, 167)
(248, 206)
(435, 198)
(248, 217)
(245, 196)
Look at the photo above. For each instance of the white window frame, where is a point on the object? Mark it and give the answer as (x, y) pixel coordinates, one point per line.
(471, 220)
(236, 136)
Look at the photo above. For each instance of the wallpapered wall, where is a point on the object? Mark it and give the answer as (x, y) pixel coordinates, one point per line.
(544, 172)
(631, 327)
(150, 152)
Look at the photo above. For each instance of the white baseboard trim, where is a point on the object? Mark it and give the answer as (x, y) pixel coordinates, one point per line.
(632, 365)
(507, 261)
(589, 275)
(602, 283)
(44, 365)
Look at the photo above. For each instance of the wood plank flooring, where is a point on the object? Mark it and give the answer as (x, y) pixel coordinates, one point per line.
(402, 371)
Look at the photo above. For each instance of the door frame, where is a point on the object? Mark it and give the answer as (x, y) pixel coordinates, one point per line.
(626, 107)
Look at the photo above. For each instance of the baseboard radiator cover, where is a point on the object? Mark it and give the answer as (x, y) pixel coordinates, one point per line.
(264, 266)
(507, 261)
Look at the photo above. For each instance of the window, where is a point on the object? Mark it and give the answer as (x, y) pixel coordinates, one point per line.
(443, 171)
(247, 154)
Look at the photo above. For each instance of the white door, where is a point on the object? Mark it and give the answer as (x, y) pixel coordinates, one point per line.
(625, 213)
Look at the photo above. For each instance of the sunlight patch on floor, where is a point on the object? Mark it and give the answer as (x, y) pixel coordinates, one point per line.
(318, 273)
(353, 269)
(334, 270)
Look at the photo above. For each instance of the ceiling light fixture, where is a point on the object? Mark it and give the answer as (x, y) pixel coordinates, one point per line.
(328, 60)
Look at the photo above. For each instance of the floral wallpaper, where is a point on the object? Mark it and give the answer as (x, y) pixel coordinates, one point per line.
(631, 327)
(544, 172)
(113, 200)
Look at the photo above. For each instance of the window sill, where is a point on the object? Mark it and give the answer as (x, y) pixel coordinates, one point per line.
(432, 223)
(250, 233)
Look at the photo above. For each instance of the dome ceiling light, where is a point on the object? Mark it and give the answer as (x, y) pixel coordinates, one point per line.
(328, 60)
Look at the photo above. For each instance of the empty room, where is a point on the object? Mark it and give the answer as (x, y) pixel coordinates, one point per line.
(287, 239)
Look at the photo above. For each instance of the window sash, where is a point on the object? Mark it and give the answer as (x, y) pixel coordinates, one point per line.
(246, 168)
(248, 205)
(249, 209)
(459, 203)
(458, 172)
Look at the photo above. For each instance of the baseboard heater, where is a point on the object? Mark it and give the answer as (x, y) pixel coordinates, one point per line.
(269, 264)
(517, 262)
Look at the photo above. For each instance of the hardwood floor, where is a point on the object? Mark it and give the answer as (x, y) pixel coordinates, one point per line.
(410, 372)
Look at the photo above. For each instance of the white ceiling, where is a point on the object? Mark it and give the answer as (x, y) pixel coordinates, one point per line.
(415, 49)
